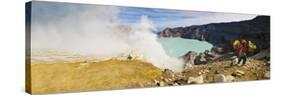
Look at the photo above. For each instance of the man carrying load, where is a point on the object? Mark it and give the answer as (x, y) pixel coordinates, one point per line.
(241, 48)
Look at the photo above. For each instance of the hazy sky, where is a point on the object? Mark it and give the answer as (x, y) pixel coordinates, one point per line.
(45, 12)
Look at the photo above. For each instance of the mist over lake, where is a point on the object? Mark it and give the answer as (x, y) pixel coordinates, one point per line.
(176, 46)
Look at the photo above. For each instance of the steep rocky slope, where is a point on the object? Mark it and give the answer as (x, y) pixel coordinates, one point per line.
(222, 34)
(217, 72)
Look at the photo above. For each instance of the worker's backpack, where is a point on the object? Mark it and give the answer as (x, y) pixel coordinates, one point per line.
(236, 44)
(251, 46)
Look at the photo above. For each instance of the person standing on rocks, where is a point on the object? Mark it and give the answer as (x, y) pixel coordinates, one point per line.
(240, 47)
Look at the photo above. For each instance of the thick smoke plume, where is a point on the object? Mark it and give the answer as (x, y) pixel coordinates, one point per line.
(98, 32)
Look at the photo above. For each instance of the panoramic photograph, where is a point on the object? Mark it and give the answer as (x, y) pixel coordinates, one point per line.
(75, 47)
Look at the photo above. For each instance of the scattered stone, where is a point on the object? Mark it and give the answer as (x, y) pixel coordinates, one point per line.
(219, 78)
(170, 79)
(203, 72)
(175, 84)
(162, 78)
(200, 73)
(238, 73)
(195, 80)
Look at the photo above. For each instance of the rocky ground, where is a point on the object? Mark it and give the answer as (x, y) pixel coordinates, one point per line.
(118, 74)
(217, 72)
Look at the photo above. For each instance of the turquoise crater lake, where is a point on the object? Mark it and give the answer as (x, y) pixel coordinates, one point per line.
(177, 47)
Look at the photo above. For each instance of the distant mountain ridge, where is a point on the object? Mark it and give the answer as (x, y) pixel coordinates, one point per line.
(222, 34)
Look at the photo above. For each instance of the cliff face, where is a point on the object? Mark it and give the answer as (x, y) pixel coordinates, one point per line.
(257, 30)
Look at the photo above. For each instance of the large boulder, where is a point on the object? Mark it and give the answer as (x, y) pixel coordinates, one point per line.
(263, 54)
(200, 59)
(209, 55)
